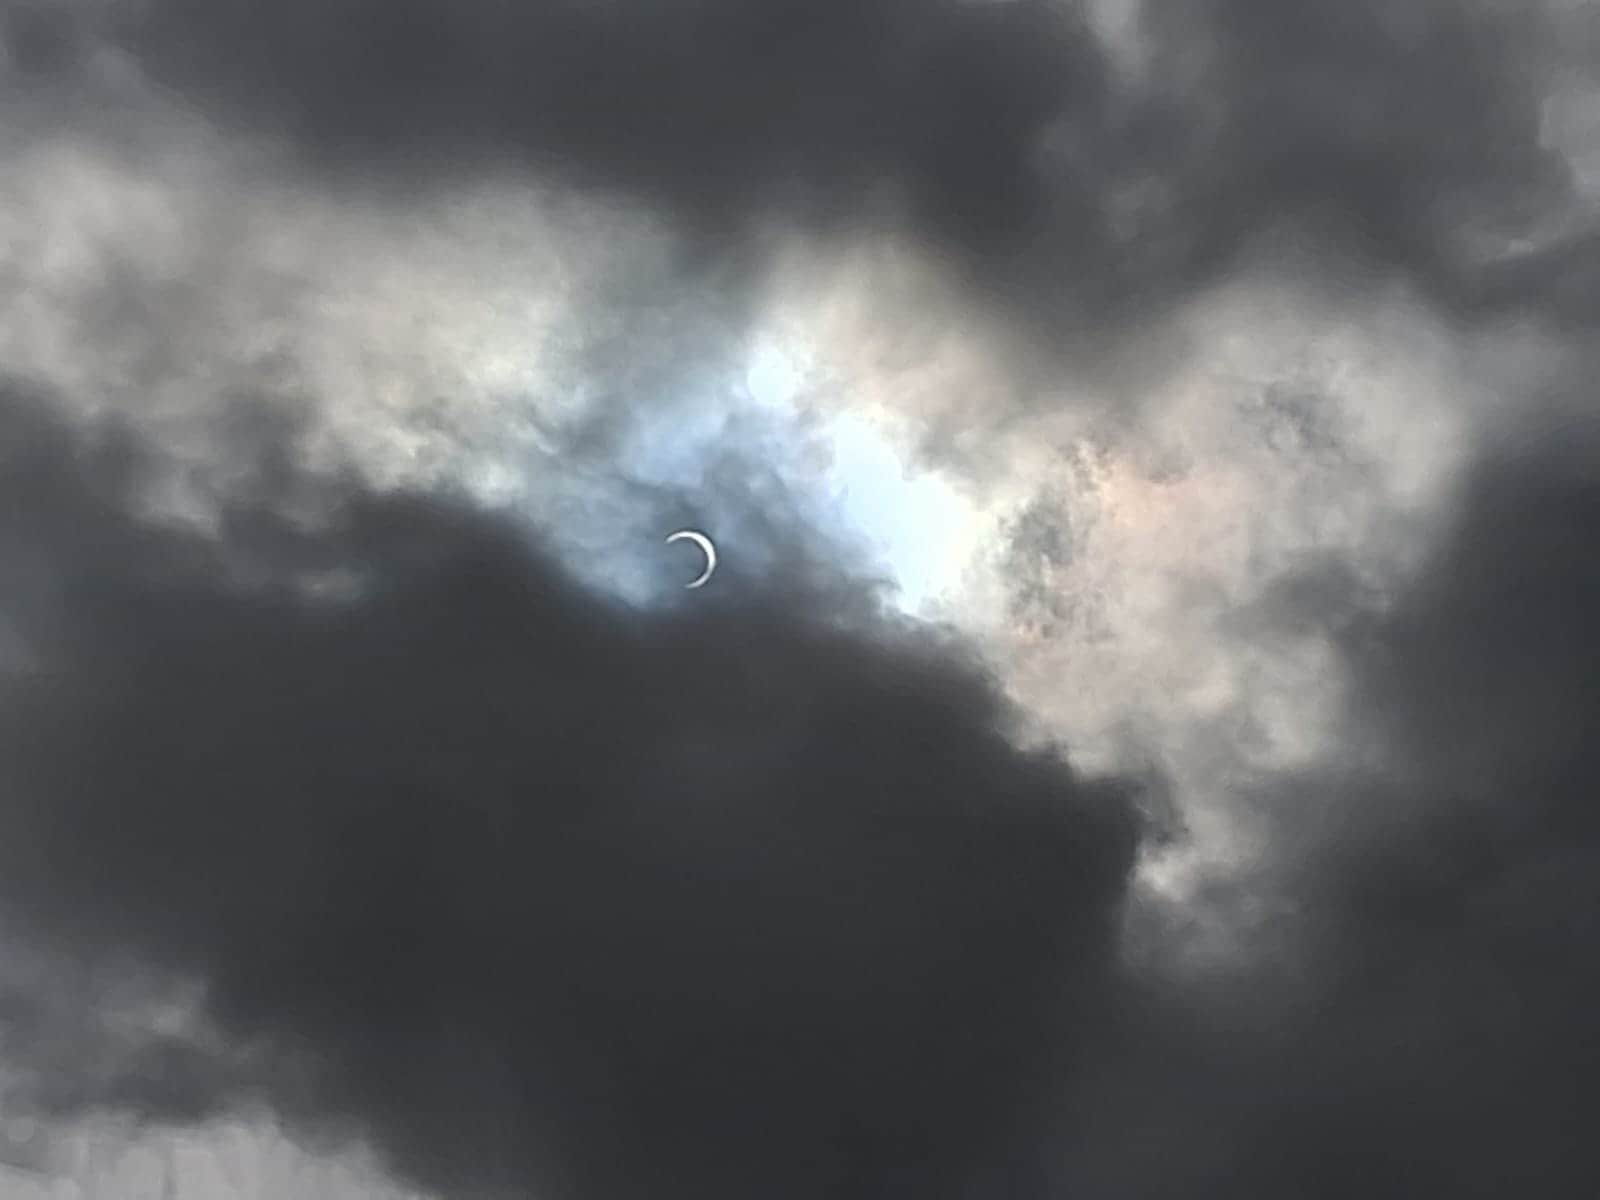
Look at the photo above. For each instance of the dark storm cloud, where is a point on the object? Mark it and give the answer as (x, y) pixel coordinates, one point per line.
(714, 107)
(1411, 1006)
(1459, 1038)
(543, 891)
(1396, 138)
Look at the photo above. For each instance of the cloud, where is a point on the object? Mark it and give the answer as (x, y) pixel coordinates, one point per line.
(541, 890)
(1403, 1004)
(1075, 187)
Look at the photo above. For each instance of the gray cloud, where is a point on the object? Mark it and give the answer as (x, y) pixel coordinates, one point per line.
(548, 891)
(1408, 1005)
(1064, 185)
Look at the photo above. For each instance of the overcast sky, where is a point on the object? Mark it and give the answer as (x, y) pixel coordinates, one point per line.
(1138, 742)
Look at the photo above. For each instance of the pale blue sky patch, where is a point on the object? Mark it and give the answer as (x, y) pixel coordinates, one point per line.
(717, 460)
(922, 529)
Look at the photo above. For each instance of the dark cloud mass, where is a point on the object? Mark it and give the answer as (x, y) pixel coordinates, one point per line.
(1405, 137)
(1460, 1025)
(1416, 1016)
(714, 107)
(551, 893)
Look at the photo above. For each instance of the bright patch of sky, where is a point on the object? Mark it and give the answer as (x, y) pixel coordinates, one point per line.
(922, 530)
(918, 527)
(844, 473)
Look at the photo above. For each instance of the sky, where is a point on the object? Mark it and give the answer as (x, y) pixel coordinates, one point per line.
(1137, 743)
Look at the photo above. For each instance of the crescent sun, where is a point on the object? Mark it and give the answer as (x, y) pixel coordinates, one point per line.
(710, 551)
